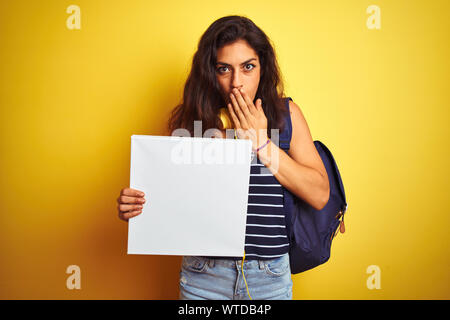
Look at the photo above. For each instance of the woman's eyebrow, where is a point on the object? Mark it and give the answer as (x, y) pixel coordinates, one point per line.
(229, 65)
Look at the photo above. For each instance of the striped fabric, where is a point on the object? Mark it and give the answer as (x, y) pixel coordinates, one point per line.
(266, 236)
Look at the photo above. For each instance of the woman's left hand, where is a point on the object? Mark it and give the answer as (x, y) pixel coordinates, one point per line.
(249, 119)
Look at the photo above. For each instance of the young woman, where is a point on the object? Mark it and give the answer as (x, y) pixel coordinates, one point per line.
(235, 70)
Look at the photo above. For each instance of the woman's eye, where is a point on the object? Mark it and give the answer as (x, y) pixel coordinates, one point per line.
(222, 69)
(253, 66)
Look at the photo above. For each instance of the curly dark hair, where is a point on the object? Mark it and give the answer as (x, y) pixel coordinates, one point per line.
(202, 99)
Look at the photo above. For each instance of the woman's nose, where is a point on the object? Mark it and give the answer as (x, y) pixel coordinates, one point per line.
(237, 82)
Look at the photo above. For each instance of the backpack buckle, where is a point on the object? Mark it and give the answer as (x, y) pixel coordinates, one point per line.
(341, 224)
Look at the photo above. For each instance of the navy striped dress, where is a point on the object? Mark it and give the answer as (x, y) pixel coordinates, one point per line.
(266, 236)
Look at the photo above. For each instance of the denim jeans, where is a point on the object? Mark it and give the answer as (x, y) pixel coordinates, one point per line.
(221, 279)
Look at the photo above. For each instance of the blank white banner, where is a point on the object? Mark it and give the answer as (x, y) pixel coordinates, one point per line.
(196, 192)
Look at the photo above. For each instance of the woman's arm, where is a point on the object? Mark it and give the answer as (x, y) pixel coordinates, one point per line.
(302, 171)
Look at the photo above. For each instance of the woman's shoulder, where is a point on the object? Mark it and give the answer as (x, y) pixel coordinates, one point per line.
(299, 125)
(294, 109)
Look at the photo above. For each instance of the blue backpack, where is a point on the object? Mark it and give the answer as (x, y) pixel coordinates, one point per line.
(311, 231)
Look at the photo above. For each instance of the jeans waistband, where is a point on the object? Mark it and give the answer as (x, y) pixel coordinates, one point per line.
(233, 263)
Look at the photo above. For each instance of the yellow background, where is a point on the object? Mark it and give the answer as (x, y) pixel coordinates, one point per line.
(71, 99)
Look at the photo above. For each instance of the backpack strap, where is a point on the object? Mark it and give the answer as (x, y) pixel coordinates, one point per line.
(286, 134)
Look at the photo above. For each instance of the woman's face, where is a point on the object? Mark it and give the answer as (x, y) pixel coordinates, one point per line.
(238, 67)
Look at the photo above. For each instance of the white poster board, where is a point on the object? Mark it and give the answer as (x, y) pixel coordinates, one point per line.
(196, 192)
